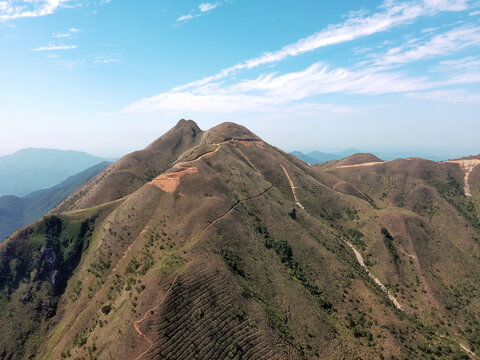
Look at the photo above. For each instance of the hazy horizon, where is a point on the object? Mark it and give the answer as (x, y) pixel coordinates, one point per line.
(436, 152)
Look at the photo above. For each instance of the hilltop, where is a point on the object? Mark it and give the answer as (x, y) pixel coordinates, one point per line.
(216, 244)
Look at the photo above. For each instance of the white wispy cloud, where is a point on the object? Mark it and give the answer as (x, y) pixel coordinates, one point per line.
(55, 47)
(460, 71)
(447, 96)
(14, 9)
(187, 17)
(271, 91)
(388, 16)
(105, 60)
(205, 7)
(67, 33)
(92, 59)
(224, 103)
(469, 63)
(440, 44)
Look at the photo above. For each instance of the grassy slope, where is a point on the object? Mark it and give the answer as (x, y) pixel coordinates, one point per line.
(434, 228)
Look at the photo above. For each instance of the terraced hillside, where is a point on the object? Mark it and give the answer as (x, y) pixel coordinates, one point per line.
(214, 244)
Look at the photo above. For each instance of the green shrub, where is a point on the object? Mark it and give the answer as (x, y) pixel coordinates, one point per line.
(106, 309)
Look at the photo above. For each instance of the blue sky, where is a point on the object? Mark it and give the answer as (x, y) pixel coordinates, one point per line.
(108, 77)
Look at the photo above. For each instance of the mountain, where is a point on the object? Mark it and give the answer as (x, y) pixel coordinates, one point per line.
(16, 212)
(214, 244)
(318, 157)
(359, 159)
(29, 170)
(309, 159)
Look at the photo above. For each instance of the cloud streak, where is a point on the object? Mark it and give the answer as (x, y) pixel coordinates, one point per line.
(271, 91)
(66, 34)
(187, 17)
(203, 8)
(448, 96)
(15, 9)
(442, 44)
(55, 47)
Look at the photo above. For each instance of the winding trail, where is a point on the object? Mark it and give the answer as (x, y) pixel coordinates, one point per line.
(170, 175)
(245, 157)
(468, 351)
(378, 282)
(185, 167)
(292, 186)
(232, 208)
(137, 322)
(170, 180)
(355, 251)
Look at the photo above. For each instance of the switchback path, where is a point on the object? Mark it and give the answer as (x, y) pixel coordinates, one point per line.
(170, 180)
(138, 322)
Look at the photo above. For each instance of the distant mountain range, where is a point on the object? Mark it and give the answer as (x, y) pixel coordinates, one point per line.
(318, 157)
(31, 169)
(16, 212)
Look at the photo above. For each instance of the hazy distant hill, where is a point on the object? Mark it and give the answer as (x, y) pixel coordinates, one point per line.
(216, 245)
(16, 212)
(31, 169)
(317, 157)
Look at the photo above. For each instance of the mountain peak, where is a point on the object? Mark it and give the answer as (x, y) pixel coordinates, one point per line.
(359, 158)
(228, 131)
(186, 123)
(184, 132)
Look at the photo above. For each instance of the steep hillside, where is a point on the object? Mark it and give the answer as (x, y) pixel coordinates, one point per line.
(16, 212)
(134, 170)
(29, 170)
(218, 245)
